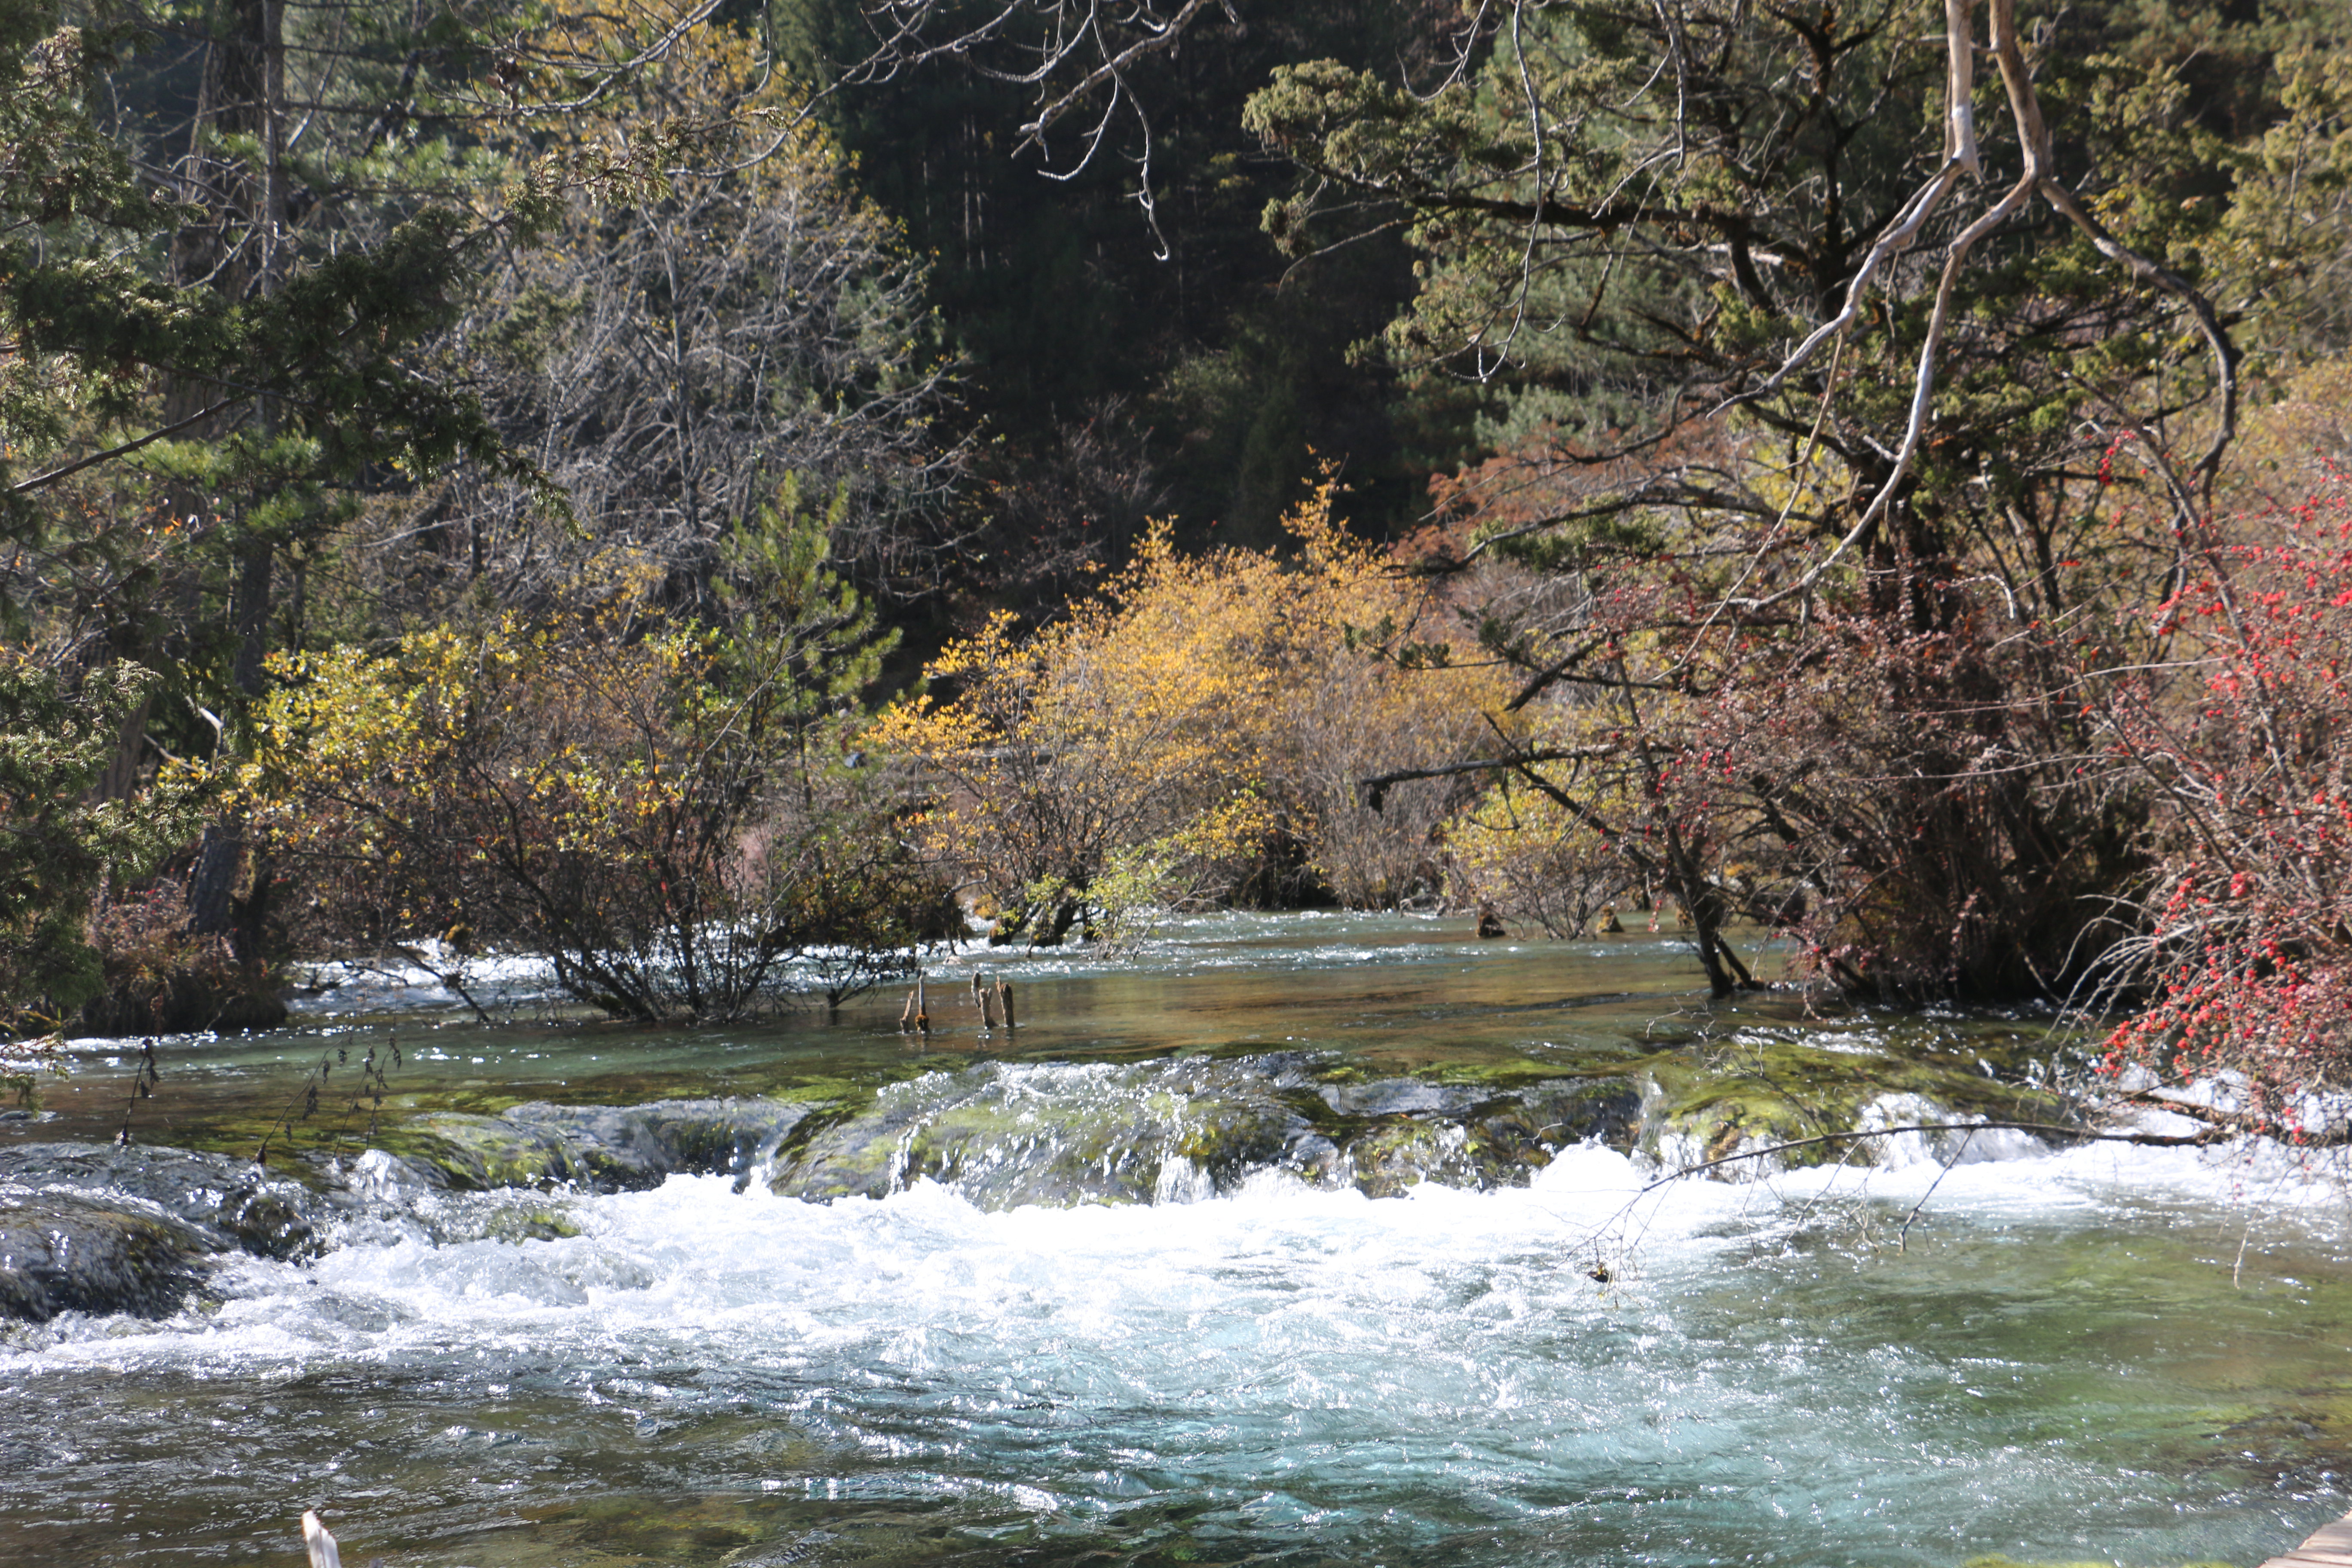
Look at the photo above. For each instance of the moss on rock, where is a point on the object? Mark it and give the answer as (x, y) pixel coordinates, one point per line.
(594, 1148)
(1764, 1089)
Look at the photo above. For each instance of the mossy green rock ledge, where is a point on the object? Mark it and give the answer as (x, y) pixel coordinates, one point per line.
(1189, 1127)
(1761, 1090)
(593, 1147)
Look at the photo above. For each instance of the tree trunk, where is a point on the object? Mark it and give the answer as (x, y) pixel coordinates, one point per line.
(244, 92)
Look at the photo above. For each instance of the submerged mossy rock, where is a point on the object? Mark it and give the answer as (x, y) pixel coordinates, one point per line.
(104, 1229)
(1002, 1135)
(477, 1154)
(1762, 1089)
(594, 1148)
(1059, 1135)
(1388, 1161)
(1476, 1139)
(522, 1225)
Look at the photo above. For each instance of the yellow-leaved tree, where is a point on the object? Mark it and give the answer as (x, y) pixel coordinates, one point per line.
(1194, 733)
(666, 811)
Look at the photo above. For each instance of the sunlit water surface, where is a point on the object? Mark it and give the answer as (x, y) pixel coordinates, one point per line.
(2108, 1353)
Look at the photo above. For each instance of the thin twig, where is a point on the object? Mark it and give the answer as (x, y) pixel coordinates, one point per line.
(1903, 1236)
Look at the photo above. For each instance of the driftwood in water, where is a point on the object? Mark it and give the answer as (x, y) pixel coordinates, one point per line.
(1004, 1001)
(912, 1018)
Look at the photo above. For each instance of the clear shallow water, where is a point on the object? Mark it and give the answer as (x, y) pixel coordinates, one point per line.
(1398, 994)
(2055, 1362)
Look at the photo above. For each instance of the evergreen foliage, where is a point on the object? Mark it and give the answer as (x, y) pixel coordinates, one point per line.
(61, 846)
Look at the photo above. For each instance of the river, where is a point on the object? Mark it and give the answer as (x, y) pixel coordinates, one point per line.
(2089, 1352)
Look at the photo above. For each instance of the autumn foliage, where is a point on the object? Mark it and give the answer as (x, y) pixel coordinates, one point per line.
(2244, 956)
(666, 811)
(1197, 731)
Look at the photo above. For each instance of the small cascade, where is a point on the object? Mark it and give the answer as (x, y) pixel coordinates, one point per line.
(1967, 1145)
(1006, 1135)
(819, 1292)
(146, 1230)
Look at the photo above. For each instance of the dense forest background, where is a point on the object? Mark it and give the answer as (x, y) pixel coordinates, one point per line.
(719, 497)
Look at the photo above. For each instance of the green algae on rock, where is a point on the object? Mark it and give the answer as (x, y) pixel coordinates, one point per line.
(593, 1147)
(1003, 1135)
(1763, 1089)
(1062, 1135)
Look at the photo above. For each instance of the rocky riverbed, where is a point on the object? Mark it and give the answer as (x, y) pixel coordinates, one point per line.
(138, 1230)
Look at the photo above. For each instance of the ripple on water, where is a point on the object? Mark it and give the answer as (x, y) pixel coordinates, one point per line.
(1438, 1378)
(2053, 1361)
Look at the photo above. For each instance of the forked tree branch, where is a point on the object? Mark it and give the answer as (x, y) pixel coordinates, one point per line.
(1960, 156)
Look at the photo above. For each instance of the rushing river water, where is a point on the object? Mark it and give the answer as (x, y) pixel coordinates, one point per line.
(2099, 1352)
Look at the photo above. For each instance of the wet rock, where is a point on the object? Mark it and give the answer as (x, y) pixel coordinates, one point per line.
(96, 1229)
(704, 1137)
(1459, 1137)
(595, 1148)
(64, 1251)
(522, 1225)
(240, 1202)
(1062, 1135)
(1006, 1135)
(1388, 1162)
(1561, 1111)
(476, 1153)
(1760, 1091)
(1398, 1096)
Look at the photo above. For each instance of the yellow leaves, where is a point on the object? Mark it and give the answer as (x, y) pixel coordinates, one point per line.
(555, 721)
(1229, 829)
(1197, 710)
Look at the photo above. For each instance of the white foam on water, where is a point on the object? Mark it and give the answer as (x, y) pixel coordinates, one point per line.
(1306, 1358)
(393, 984)
(756, 1275)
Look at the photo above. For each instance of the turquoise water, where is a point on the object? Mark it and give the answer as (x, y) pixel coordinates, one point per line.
(2105, 1353)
